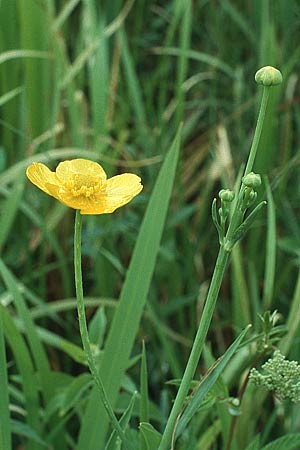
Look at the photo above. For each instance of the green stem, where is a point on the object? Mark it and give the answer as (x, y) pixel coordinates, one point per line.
(258, 130)
(84, 332)
(197, 347)
(237, 215)
(214, 288)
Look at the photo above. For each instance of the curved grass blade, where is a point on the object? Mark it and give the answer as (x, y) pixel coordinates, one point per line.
(208, 383)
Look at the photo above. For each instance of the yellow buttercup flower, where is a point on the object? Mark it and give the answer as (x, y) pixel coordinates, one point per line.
(82, 184)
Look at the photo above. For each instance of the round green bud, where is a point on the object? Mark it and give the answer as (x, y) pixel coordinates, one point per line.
(226, 195)
(268, 76)
(252, 180)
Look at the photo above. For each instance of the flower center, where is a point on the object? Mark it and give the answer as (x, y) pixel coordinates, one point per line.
(83, 184)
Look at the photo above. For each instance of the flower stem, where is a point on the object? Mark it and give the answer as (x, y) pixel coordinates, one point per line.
(213, 292)
(197, 346)
(258, 130)
(237, 213)
(85, 336)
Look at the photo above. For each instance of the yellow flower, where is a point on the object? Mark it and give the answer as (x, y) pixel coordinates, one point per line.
(82, 184)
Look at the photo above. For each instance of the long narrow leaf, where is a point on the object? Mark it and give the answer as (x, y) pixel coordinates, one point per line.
(5, 433)
(208, 383)
(24, 363)
(289, 442)
(270, 249)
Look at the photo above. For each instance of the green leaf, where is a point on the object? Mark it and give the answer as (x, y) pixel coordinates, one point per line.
(23, 361)
(144, 414)
(37, 349)
(289, 442)
(208, 383)
(11, 207)
(114, 442)
(270, 262)
(97, 327)
(74, 391)
(5, 432)
(134, 294)
(22, 429)
(150, 436)
(255, 444)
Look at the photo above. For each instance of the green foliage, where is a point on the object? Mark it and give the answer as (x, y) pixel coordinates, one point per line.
(112, 81)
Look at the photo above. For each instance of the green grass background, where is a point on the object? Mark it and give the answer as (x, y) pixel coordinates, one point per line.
(112, 81)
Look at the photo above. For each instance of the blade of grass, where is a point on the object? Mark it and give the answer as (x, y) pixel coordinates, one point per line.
(10, 206)
(98, 67)
(111, 444)
(207, 383)
(24, 363)
(182, 66)
(269, 278)
(132, 80)
(34, 35)
(10, 95)
(5, 426)
(39, 354)
(241, 309)
(130, 308)
(144, 403)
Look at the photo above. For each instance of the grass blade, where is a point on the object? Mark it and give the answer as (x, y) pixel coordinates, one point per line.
(207, 384)
(144, 413)
(289, 442)
(5, 432)
(24, 363)
(270, 250)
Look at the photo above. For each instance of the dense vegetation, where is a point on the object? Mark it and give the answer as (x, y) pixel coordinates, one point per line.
(112, 81)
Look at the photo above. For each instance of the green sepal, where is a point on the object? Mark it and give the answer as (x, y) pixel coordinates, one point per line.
(243, 228)
(216, 221)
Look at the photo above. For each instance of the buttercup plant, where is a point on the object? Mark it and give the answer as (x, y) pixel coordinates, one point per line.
(237, 227)
(82, 185)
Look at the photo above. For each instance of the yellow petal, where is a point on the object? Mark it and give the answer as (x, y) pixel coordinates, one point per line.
(118, 191)
(79, 202)
(43, 178)
(66, 170)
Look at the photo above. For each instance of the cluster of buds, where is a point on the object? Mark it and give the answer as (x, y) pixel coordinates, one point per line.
(279, 376)
(267, 76)
(251, 183)
(226, 196)
(247, 196)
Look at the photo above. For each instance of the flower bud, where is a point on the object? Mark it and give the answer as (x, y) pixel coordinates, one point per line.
(268, 76)
(252, 180)
(226, 195)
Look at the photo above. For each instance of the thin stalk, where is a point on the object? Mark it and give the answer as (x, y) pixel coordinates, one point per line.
(237, 215)
(85, 336)
(214, 288)
(197, 347)
(258, 130)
